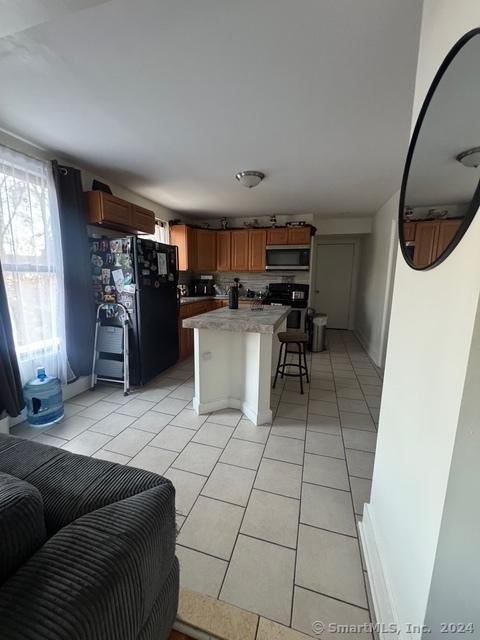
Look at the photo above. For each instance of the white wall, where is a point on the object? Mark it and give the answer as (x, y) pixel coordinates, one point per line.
(375, 282)
(456, 578)
(342, 225)
(430, 337)
(24, 146)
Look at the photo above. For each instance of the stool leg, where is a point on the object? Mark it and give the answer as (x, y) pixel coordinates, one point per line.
(278, 365)
(305, 361)
(284, 360)
(300, 372)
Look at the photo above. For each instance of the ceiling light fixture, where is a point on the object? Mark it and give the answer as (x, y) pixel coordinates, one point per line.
(250, 179)
(470, 157)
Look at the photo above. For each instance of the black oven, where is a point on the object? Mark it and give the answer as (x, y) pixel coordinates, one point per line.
(294, 257)
(292, 295)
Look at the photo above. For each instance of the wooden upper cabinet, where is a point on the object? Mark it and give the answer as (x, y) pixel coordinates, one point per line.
(143, 220)
(277, 236)
(240, 250)
(103, 208)
(224, 252)
(206, 250)
(109, 211)
(446, 233)
(256, 249)
(426, 239)
(409, 231)
(184, 238)
(298, 235)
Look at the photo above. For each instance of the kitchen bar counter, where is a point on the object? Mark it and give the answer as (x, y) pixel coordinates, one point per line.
(266, 319)
(234, 355)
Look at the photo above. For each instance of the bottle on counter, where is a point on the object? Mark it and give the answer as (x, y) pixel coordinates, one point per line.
(233, 295)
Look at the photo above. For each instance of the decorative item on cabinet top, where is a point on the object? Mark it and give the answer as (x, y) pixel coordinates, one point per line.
(233, 249)
(109, 211)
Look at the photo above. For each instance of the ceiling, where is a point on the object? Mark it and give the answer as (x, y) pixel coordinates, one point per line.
(170, 98)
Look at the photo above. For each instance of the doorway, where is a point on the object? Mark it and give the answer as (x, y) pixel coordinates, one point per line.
(334, 279)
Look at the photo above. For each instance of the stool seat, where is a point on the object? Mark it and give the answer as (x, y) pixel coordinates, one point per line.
(293, 336)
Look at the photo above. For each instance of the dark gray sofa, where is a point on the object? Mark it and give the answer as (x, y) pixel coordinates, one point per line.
(107, 570)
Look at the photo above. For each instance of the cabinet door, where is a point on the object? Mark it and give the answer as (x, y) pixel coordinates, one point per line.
(143, 220)
(184, 238)
(186, 342)
(223, 250)
(298, 235)
(240, 250)
(256, 250)
(426, 239)
(116, 210)
(409, 231)
(446, 232)
(206, 250)
(277, 236)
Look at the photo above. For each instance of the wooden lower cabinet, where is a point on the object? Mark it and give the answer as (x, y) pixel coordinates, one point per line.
(185, 336)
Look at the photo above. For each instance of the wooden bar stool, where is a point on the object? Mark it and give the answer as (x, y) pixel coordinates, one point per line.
(300, 339)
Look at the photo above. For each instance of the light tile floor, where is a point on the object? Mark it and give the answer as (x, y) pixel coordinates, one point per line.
(267, 516)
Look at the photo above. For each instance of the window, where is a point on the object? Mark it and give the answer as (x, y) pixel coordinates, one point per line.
(161, 234)
(31, 257)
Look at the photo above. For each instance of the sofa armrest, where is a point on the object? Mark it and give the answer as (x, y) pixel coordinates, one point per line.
(98, 577)
(71, 485)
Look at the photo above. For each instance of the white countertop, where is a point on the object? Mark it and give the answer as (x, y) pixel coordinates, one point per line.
(265, 319)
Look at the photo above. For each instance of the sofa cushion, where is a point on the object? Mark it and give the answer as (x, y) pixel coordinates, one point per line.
(22, 523)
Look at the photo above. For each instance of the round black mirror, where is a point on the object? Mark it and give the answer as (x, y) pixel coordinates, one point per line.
(440, 191)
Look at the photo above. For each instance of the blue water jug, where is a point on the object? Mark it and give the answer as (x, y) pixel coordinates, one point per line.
(43, 397)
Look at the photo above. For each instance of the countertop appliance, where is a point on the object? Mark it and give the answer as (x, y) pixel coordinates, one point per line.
(293, 295)
(289, 257)
(201, 287)
(143, 276)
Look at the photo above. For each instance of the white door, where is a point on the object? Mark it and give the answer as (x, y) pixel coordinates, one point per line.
(333, 282)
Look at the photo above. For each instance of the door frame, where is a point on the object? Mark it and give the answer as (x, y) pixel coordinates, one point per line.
(337, 239)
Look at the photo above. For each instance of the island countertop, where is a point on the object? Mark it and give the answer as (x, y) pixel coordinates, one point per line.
(264, 320)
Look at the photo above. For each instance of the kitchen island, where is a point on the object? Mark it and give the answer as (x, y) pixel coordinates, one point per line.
(235, 351)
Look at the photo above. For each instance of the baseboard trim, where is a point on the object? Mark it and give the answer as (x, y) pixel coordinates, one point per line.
(262, 417)
(382, 597)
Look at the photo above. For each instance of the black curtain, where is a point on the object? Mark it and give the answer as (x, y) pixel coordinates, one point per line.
(11, 395)
(79, 305)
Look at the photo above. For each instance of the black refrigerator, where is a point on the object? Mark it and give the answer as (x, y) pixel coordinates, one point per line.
(143, 276)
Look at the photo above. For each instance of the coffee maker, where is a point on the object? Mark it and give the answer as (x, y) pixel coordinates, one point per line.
(203, 286)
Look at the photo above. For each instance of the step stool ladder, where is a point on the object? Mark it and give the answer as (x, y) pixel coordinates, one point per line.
(111, 342)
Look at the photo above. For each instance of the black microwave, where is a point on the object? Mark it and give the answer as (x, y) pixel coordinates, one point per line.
(289, 257)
